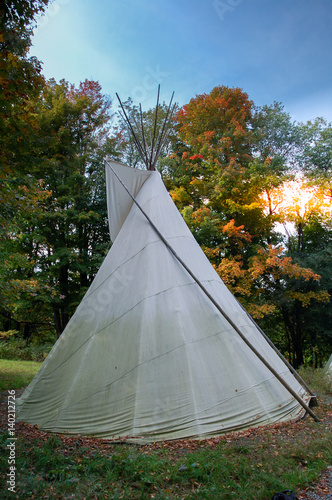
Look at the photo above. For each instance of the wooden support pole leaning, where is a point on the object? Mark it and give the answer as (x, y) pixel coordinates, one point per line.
(150, 155)
(154, 130)
(164, 131)
(215, 303)
(136, 139)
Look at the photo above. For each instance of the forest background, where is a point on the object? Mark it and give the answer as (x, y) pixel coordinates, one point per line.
(254, 187)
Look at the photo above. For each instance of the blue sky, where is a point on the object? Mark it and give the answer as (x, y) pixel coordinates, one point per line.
(275, 50)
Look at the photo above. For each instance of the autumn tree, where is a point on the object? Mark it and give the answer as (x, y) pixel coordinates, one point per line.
(21, 83)
(67, 238)
(210, 172)
(281, 294)
(229, 160)
(214, 143)
(292, 297)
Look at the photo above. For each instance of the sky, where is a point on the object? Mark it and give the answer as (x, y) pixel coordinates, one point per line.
(274, 50)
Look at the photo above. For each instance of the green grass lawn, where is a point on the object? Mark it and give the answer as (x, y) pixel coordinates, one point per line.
(17, 374)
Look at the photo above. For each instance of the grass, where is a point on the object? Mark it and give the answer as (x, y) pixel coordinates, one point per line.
(17, 374)
(317, 380)
(253, 464)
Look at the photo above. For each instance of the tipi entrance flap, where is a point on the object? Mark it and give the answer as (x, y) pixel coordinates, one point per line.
(119, 202)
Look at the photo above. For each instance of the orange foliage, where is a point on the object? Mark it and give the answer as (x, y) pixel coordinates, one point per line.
(250, 283)
(217, 124)
(211, 253)
(238, 232)
(230, 271)
(195, 157)
(200, 214)
(271, 261)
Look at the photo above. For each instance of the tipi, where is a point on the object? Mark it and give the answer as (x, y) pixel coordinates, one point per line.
(328, 366)
(158, 348)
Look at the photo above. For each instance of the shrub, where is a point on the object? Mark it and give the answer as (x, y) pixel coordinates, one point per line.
(16, 349)
(317, 379)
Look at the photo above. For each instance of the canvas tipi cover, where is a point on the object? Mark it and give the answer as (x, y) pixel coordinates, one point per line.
(328, 366)
(147, 355)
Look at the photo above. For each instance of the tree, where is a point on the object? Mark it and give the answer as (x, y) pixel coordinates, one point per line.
(315, 156)
(302, 305)
(72, 231)
(20, 83)
(280, 293)
(317, 254)
(21, 13)
(66, 239)
(210, 169)
(310, 245)
(226, 190)
(276, 140)
(21, 193)
(216, 126)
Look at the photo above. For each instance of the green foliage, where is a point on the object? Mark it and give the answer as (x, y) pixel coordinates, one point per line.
(316, 153)
(17, 348)
(53, 252)
(20, 192)
(275, 137)
(71, 233)
(317, 379)
(21, 13)
(311, 247)
(275, 144)
(20, 83)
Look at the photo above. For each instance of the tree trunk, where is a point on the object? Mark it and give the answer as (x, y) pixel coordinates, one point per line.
(27, 332)
(298, 337)
(300, 237)
(57, 322)
(293, 325)
(290, 334)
